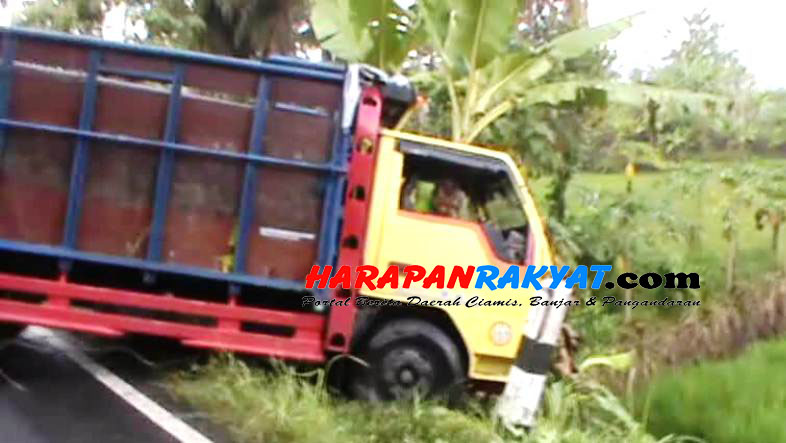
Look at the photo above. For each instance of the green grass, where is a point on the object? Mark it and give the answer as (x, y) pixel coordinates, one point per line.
(263, 405)
(736, 401)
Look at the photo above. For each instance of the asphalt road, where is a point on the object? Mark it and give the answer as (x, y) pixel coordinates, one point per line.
(45, 396)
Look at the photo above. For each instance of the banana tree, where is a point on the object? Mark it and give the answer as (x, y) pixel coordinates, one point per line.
(380, 33)
(471, 39)
(472, 42)
(770, 203)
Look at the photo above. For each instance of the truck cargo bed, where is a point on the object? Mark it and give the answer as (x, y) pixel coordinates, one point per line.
(169, 161)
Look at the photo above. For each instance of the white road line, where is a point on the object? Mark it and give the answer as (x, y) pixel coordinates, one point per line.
(139, 401)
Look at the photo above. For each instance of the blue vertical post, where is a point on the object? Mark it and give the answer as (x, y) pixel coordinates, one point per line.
(248, 198)
(332, 199)
(335, 189)
(6, 79)
(80, 159)
(166, 167)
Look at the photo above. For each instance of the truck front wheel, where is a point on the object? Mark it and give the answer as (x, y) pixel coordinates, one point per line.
(407, 356)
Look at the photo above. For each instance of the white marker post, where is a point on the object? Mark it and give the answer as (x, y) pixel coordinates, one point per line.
(518, 405)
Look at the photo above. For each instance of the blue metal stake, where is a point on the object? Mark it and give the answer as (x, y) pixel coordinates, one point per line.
(80, 159)
(165, 168)
(145, 143)
(331, 201)
(334, 195)
(6, 80)
(327, 73)
(247, 201)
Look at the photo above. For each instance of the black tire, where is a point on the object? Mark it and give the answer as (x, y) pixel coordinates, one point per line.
(408, 356)
(9, 331)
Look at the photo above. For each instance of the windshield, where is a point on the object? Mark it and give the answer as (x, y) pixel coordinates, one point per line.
(505, 209)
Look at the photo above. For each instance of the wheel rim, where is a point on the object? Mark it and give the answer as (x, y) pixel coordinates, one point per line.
(406, 371)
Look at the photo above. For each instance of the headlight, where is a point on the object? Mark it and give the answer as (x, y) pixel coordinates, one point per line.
(501, 333)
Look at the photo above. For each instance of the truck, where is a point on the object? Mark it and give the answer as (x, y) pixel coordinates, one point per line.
(146, 190)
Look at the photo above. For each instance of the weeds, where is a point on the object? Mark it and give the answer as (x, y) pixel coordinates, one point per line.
(278, 405)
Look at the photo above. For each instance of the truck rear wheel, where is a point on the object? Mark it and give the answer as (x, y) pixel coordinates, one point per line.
(408, 356)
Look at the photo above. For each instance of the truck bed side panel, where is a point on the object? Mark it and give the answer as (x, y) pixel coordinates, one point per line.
(183, 146)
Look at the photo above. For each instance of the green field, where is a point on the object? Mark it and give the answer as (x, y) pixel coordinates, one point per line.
(702, 208)
(700, 246)
(697, 212)
(737, 401)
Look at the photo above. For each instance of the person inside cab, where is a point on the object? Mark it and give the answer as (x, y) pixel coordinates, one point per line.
(450, 200)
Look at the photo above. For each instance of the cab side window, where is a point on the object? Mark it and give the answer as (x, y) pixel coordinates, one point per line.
(453, 190)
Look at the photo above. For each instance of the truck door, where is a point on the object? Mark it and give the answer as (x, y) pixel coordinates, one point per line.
(434, 206)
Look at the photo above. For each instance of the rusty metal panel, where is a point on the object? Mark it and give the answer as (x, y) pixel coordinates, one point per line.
(46, 96)
(299, 136)
(289, 198)
(215, 124)
(34, 177)
(305, 134)
(202, 211)
(284, 238)
(128, 109)
(281, 258)
(118, 201)
(49, 53)
(306, 93)
(124, 61)
(239, 83)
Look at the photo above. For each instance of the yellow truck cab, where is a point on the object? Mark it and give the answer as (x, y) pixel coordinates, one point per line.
(491, 330)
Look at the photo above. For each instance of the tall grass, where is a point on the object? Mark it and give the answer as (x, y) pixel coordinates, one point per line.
(736, 401)
(720, 330)
(278, 405)
(262, 405)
